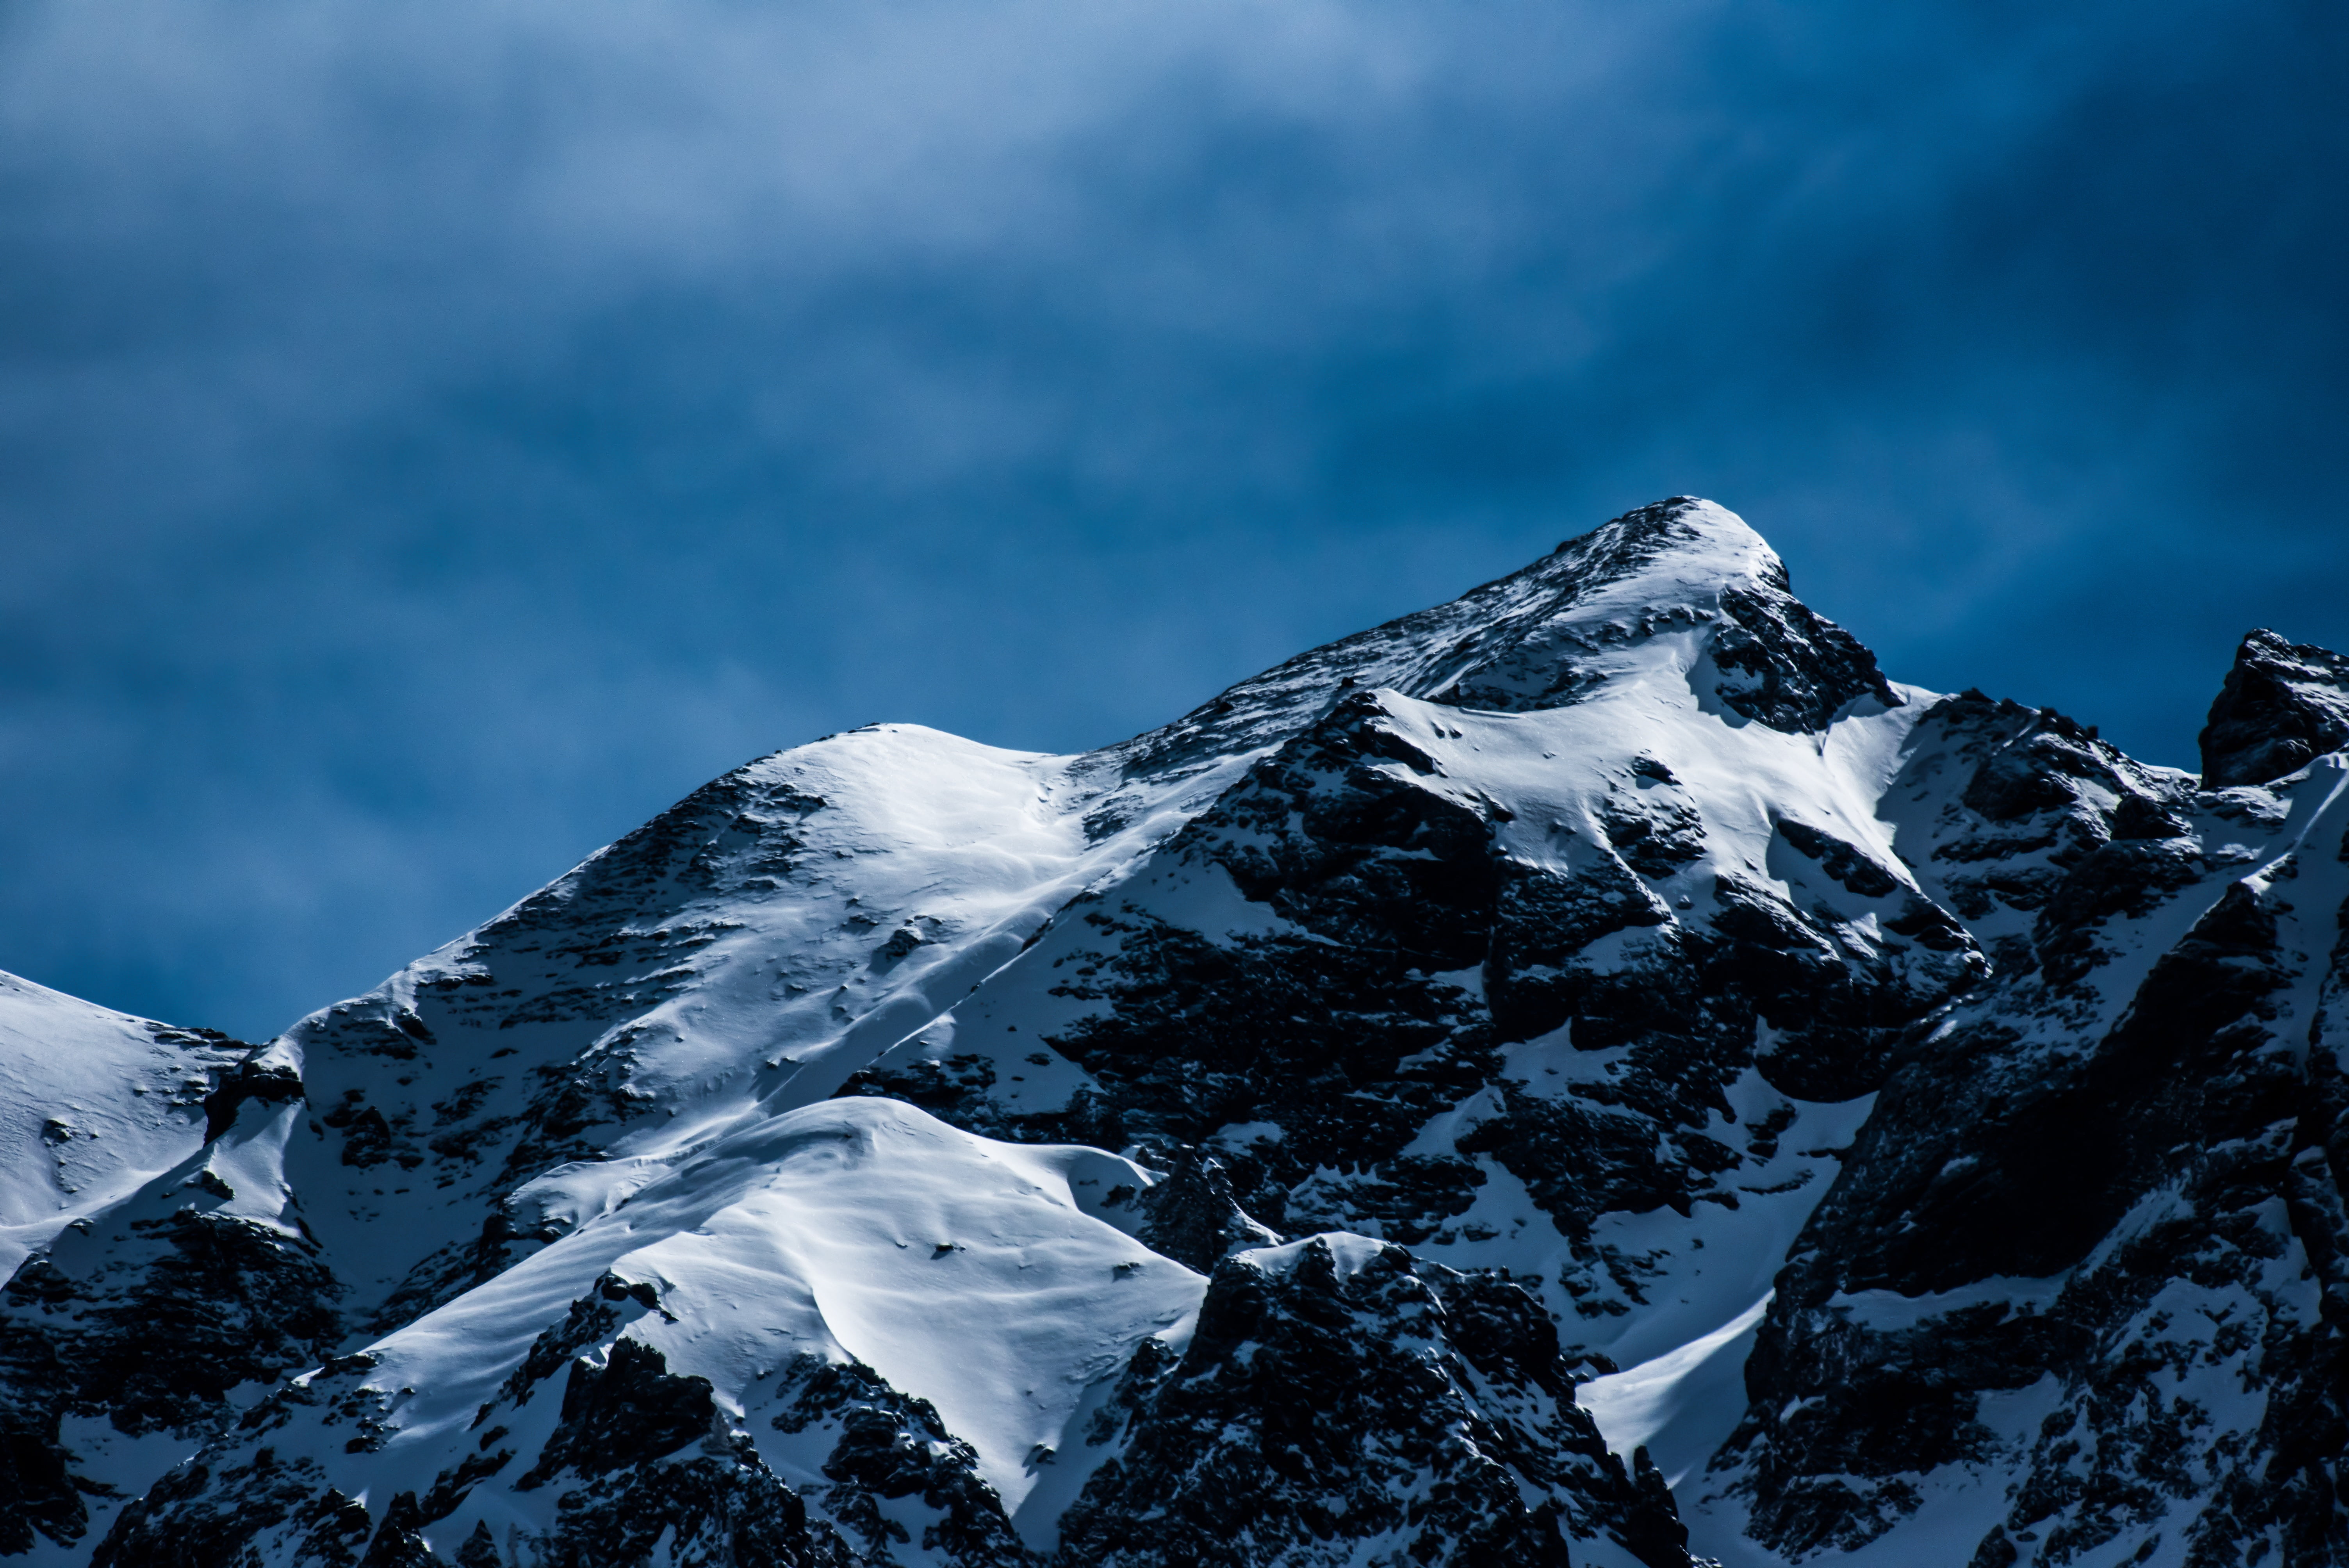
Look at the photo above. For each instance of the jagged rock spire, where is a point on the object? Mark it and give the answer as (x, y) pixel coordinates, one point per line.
(2282, 704)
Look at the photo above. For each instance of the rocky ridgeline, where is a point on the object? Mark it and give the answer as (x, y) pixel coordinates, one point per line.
(1597, 1074)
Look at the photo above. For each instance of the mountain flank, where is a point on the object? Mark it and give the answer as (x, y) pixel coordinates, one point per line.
(1595, 1072)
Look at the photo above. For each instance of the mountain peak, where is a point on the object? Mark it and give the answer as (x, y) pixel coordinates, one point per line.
(2282, 704)
(1683, 539)
(1846, 1088)
(1684, 569)
(1683, 579)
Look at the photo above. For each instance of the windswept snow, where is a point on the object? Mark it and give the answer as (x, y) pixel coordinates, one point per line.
(1681, 1406)
(92, 1103)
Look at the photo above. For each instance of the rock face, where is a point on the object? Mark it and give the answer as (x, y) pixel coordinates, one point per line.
(153, 1265)
(2086, 1246)
(2283, 703)
(1590, 1073)
(1339, 1401)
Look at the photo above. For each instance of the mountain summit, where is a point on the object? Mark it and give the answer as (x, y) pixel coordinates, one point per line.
(1588, 1073)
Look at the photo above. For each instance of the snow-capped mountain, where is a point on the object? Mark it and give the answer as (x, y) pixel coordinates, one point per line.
(1592, 1072)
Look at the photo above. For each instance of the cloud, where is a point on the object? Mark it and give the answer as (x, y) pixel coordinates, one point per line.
(432, 437)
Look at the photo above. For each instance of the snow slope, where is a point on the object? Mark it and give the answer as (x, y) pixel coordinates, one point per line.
(847, 1235)
(92, 1103)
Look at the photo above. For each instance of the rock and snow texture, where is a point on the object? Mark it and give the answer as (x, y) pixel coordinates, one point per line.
(2284, 705)
(1592, 1072)
(153, 1270)
(725, 1358)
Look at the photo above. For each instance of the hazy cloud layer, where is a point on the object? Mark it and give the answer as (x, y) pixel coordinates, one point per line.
(435, 436)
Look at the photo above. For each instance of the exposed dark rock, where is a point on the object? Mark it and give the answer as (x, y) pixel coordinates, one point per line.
(1789, 668)
(716, 1506)
(1349, 1036)
(710, 1512)
(1193, 1218)
(396, 1543)
(268, 1083)
(1995, 1156)
(624, 1412)
(2282, 704)
(1387, 1408)
(893, 1448)
(1848, 864)
(198, 1516)
(480, 1550)
(152, 1340)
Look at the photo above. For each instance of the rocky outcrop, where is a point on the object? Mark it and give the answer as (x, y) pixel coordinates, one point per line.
(2282, 704)
(140, 1315)
(1193, 1218)
(637, 1459)
(2086, 1238)
(894, 1457)
(1342, 1402)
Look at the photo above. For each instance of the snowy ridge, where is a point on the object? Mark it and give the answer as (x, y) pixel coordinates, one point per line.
(1591, 1071)
(92, 1103)
(714, 966)
(837, 1237)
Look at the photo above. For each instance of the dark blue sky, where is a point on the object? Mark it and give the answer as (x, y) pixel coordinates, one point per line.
(433, 436)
